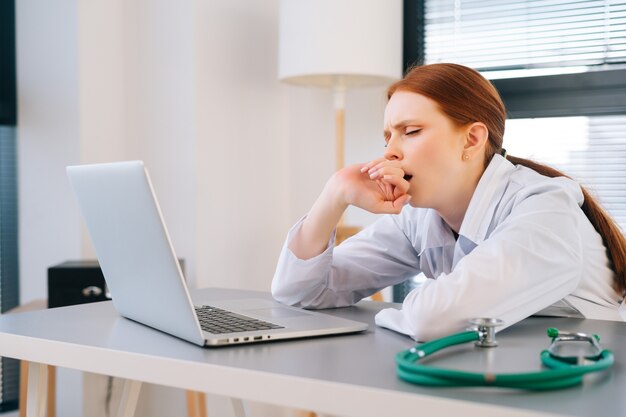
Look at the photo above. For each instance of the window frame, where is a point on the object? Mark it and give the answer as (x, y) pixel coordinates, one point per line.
(8, 84)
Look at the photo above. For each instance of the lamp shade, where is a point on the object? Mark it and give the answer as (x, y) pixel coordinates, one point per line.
(340, 43)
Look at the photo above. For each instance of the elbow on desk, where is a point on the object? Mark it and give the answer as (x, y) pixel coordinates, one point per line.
(427, 324)
(424, 330)
(424, 324)
(279, 294)
(314, 298)
(286, 294)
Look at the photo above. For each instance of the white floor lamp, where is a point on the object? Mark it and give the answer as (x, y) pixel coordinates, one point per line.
(340, 44)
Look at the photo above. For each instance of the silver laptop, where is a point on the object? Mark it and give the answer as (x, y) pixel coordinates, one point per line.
(145, 279)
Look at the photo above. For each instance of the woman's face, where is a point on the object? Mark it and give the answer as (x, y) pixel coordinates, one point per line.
(428, 147)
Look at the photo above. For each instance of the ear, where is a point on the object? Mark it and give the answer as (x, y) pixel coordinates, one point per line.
(476, 138)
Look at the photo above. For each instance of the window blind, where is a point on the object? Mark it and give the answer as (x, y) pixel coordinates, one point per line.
(8, 219)
(9, 285)
(523, 34)
(592, 150)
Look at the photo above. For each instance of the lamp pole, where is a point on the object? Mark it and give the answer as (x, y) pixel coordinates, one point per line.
(339, 93)
(339, 98)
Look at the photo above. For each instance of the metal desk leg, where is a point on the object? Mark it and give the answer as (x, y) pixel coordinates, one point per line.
(130, 395)
(37, 397)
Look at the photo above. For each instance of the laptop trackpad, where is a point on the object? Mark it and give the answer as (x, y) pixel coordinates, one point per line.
(278, 312)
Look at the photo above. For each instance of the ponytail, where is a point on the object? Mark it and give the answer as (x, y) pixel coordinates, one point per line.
(611, 233)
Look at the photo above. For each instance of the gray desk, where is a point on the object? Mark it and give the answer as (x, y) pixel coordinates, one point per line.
(351, 375)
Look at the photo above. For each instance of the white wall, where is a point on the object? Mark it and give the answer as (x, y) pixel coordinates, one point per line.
(191, 88)
(48, 138)
(242, 147)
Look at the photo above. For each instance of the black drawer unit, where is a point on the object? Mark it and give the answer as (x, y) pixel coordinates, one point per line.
(76, 282)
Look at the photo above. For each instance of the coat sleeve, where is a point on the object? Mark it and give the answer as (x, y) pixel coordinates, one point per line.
(378, 256)
(530, 261)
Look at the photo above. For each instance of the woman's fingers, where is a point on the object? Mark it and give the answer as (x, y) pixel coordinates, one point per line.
(385, 167)
(386, 190)
(386, 170)
(376, 164)
(377, 186)
(369, 165)
(401, 186)
(393, 188)
(393, 207)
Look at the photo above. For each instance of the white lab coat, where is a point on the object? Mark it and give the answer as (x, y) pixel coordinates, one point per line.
(524, 245)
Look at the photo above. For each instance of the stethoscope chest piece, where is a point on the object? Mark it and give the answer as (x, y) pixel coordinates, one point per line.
(486, 328)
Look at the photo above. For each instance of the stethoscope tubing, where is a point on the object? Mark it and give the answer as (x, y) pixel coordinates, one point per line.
(560, 375)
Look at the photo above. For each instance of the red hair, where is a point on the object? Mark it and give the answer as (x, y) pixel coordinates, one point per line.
(462, 94)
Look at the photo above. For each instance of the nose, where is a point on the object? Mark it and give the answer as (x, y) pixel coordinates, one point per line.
(393, 151)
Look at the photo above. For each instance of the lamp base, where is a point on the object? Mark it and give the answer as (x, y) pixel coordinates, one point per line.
(344, 232)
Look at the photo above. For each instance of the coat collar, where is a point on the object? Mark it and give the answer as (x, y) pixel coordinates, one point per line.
(480, 211)
(487, 195)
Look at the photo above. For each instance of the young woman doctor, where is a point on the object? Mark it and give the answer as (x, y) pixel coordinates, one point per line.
(499, 236)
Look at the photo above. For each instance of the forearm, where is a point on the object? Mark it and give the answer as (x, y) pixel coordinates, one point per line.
(345, 274)
(312, 238)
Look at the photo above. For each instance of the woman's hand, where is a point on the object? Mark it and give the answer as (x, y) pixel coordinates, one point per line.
(377, 186)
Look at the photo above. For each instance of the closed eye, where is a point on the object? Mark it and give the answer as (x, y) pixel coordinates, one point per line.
(413, 132)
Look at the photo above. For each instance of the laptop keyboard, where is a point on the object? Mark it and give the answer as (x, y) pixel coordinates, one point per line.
(215, 320)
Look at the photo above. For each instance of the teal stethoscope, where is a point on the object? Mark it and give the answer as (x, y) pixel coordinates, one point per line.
(565, 371)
